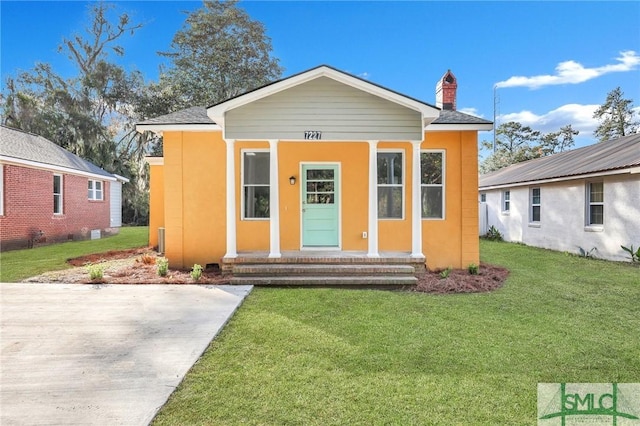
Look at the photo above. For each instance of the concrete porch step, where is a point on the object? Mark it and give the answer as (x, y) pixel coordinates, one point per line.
(309, 280)
(296, 270)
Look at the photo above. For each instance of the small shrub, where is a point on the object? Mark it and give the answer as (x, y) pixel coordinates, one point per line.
(148, 259)
(445, 273)
(587, 253)
(493, 234)
(96, 272)
(162, 265)
(196, 272)
(634, 255)
(473, 269)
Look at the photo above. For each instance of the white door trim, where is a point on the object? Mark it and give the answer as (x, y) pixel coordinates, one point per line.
(338, 164)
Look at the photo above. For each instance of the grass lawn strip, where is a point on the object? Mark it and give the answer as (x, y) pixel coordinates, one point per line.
(20, 264)
(329, 357)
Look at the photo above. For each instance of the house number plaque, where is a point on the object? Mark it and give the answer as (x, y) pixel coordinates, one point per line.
(312, 135)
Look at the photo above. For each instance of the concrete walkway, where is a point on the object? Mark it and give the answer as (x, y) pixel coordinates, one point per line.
(102, 354)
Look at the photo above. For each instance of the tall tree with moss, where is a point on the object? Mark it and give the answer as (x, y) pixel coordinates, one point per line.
(616, 117)
(219, 53)
(514, 143)
(88, 113)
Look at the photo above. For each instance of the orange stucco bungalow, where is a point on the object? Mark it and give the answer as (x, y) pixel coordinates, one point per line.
(321, 160)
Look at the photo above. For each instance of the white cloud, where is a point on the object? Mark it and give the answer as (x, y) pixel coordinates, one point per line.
(364, 75)
(579, 116)
(572, 72)
(471, 111)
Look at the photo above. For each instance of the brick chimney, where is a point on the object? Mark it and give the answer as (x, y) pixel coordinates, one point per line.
(446, 91)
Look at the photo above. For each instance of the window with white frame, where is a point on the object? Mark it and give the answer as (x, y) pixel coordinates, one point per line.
(506, 201)
(390, 185)
(483, 198)
(95, 190)
(57, 194)
(535, 205)
(432, 183)
(595, 200)
(255, 184)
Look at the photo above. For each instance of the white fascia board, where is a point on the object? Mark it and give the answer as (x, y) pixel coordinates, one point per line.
(50, 167)
(154, 161)
(159, 128)
(450, 127)
(562, 179)
(121, 178)
(216, 113)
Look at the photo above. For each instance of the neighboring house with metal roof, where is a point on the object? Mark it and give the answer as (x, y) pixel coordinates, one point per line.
(48, 194)
(322, 161)
(580, 199)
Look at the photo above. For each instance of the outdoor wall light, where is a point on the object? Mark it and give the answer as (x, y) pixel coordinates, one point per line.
(292, 180)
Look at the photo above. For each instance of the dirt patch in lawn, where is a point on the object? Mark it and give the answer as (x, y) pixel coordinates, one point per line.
(138, 266)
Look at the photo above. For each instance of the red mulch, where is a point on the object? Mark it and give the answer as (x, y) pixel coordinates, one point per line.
(489, 278)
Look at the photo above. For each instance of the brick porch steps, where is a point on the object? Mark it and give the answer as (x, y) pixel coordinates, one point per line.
(324, 269)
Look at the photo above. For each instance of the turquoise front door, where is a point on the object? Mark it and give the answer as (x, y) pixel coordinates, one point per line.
(320, 205)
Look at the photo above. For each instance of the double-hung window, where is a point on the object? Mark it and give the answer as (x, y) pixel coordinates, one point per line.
(432, 183)
(535, 205)
(255, 184)
(595, 200)
(390, 185)
(95, 190)
(57, 194)
(506, 201)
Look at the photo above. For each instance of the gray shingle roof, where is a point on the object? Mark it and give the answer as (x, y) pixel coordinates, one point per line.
(193, 115)
(615, 154)
(27, 146)
(198, 115)
(457, 117)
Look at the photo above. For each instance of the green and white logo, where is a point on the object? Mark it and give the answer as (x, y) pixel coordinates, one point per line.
(569, 404)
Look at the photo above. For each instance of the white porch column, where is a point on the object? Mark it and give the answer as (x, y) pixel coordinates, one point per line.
(231, 200)
(416, 208)
(274, 201)
(373, 200)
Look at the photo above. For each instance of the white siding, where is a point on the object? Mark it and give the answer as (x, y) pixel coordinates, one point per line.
(115, 200)
(339, 111)
(563, 216)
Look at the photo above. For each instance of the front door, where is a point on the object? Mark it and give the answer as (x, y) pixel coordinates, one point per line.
(320, 205)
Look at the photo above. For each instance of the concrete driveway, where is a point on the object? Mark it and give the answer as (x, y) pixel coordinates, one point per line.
(102, 354)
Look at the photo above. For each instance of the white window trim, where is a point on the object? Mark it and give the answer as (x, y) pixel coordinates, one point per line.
(504, 201)
(94, 190)
(242, 154)
(61, 212)
(444, 184)
(531, 206)
(593, 227)
(386, 185)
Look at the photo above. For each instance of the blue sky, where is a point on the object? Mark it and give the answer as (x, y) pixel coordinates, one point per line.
(553, 62)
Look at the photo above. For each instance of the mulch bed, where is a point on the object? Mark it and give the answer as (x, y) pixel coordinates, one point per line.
(489, 278)
(143, 271)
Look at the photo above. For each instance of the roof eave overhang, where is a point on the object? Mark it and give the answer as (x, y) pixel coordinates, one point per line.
(160, 128)
(217, 112)
(154, 161)
(52, 167)
(629, 170)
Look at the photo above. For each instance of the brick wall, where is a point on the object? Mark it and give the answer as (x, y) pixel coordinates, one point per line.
(28, 208)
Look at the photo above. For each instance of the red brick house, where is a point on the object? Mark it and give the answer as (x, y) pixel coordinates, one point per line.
(48, 194)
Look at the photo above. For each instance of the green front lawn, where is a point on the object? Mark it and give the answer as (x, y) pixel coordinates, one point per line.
(20, 264)
(336, 357)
